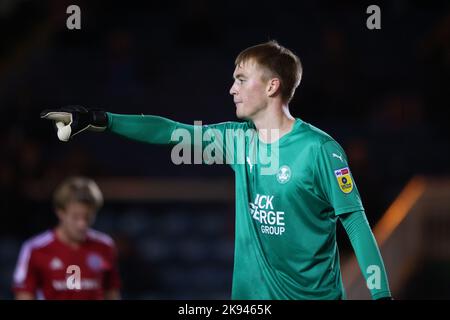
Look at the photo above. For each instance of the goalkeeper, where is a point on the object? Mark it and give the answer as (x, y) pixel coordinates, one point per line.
(285, 216)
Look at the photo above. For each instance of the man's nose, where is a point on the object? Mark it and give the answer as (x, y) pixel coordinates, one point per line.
(233, 90)
(83, 224)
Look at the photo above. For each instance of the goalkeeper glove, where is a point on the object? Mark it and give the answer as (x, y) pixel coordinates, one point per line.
(71, 120)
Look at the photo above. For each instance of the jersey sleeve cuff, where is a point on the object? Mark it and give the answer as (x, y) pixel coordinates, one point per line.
(110, 120)
(348, 209)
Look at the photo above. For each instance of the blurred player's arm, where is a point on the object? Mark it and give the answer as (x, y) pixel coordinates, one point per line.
(25, 275)
(112, 281)
(25, 296)
(112, 294)
(367, 252)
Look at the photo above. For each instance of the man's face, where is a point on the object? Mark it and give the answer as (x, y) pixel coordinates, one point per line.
(249, 90)
(76, 219)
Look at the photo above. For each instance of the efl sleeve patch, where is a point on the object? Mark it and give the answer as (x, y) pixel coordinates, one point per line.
(344, 179)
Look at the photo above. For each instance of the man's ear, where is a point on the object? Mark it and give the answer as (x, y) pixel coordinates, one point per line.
(273, 87)
(60, 213)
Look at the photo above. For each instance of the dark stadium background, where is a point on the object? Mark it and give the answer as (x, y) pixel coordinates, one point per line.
(382, 94)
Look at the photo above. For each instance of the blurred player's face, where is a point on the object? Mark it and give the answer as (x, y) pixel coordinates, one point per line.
(76, 219)
(249, 90)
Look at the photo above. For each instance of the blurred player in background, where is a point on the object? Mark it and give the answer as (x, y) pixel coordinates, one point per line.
(50, 264)
(285, 221)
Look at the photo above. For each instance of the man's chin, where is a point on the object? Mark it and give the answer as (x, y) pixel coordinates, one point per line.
(241, 116)
(79, 238)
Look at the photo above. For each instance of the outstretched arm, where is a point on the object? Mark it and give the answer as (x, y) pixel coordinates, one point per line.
(145, 128)
(367, 253)
(72, 120)
(220, 138)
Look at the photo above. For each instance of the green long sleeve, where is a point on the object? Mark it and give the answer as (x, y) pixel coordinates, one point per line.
(367, 253)
(145, 128)
(211, 143)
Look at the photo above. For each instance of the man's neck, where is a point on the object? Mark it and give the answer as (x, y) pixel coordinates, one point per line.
(64, 238)
(273, 123)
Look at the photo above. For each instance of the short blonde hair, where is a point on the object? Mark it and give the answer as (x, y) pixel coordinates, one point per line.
(279, 61)
(78, 189)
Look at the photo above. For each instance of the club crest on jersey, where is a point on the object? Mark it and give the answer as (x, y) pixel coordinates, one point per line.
(94, 261)
(344, 179)
(284, 174)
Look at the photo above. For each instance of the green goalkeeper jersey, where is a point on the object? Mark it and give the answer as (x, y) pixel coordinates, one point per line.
(285, 238)
(286, 221)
